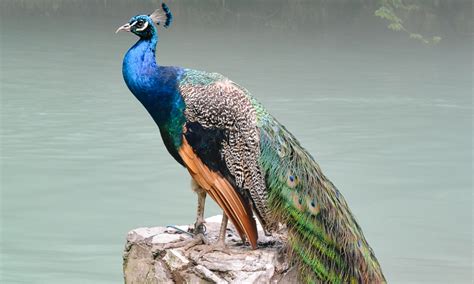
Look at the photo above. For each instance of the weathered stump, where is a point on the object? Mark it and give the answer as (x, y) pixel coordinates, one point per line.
(147, 261)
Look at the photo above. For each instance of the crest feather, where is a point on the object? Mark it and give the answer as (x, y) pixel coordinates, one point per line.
(162, 15)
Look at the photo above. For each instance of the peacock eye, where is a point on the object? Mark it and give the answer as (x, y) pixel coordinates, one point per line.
(139, 24)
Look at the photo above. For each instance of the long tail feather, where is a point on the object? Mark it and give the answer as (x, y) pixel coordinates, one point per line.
(326, 242)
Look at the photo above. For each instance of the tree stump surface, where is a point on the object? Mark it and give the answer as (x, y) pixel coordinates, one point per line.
(146, 260)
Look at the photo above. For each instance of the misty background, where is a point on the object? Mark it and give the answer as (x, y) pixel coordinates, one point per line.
(387, 116)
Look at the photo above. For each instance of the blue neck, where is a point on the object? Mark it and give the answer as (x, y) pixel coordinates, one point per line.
(140, 69)
(156, 87)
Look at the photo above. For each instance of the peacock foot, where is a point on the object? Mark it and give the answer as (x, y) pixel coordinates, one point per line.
(198, 239)
(197, 234)
(208, 248)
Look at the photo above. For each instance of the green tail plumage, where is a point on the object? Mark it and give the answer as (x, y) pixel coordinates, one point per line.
(325, 240)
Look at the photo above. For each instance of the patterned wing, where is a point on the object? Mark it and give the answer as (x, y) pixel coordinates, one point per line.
(222, 130)
(222, 192)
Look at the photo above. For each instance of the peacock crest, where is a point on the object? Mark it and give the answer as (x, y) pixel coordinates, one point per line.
(162, 15)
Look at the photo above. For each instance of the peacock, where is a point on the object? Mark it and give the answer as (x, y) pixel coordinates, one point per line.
(249, 163)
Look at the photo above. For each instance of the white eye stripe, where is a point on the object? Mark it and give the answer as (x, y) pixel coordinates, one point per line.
(144, 27)
(134, 23)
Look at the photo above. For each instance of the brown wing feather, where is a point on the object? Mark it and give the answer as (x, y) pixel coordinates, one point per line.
(238, 211)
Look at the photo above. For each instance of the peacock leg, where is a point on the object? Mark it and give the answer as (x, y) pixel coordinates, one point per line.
(220, 244)
(199, 227)
(223, 229)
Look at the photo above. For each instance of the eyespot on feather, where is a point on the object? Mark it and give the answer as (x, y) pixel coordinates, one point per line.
(292, 181)
(313, 206)
(297, 201)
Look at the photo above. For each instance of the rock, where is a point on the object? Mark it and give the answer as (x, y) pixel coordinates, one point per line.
(146, 260)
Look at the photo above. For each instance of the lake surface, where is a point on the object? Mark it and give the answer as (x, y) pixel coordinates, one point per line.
(388, 119)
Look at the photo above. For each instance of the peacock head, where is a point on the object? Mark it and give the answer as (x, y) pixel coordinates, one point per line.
(144, 25)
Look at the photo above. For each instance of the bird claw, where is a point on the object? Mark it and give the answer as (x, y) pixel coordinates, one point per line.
(186, 244)
(198, 239)
(197, 233)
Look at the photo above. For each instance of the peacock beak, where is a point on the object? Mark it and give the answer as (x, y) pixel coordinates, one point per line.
(126, 28)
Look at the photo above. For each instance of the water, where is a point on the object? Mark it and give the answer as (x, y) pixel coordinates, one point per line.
(388, 119)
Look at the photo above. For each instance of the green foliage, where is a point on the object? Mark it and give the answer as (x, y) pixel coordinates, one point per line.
(386, 12)
(436, 39)
(390, 10)
(395, 27)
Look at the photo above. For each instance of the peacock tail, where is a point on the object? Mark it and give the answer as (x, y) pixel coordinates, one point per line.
(324, 238)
